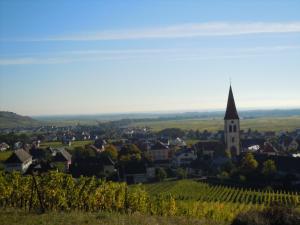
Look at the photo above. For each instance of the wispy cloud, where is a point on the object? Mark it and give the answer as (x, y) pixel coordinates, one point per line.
(172, 54)
(181, 31)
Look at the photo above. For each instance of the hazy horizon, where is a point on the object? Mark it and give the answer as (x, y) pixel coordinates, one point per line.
(103, 57)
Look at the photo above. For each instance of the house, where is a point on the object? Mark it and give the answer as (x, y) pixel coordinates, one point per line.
(108, 166)
(4, 147)
(100, 145)
(20, 160)
(252, 144)
(268, 149)
(135, 172)
(100, 166)
(294, 145)
(62, 159)
(178, 142)
(160, 153)
(184, 157)
(17, 145)
(66, 141)
(209, 149)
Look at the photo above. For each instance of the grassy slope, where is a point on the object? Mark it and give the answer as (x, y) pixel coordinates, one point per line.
(16, 217)
(261, 124)
(11, 120)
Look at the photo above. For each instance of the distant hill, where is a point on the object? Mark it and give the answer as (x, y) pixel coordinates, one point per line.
(12, 120)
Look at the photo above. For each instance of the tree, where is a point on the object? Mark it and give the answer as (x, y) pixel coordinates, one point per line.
(181, 173)
(249, 164)
(224, 176)
(111, 151)
(130, 152)
(160, 174)
(269, 168)
(172, 133)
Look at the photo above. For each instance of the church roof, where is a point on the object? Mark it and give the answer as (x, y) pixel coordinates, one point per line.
(231, 112)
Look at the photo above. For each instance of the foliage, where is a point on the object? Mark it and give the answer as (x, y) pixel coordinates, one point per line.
(171, 133)
(249, 163)
(111, 151)
(60, 192)
(224, 175)
(274, 215)
(181, 173)
(130, 152)
(160, 174)
(269, 168)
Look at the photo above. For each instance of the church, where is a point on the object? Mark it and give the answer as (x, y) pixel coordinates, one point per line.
(232, 126)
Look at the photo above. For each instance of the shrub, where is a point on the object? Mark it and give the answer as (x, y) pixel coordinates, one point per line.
(274, 215)
(250, 218)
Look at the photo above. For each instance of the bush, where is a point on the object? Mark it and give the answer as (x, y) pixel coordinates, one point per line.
(250, 218)
(181, 173)
(274, 215)
(160, 174)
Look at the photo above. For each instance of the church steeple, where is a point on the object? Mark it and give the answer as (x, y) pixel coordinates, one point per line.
(232, 126)
(231, 112)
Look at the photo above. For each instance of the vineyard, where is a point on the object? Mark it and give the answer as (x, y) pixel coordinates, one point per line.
(202, 192)
(60, 192)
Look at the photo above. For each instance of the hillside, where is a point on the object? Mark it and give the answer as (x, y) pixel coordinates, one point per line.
(11, 120)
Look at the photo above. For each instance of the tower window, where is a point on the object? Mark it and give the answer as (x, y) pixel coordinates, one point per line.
(234, 128)
(230, 128)
(232, 140)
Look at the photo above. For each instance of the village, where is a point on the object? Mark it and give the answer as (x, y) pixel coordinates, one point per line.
(139, 155)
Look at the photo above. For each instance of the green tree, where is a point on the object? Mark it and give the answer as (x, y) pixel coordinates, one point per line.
(111, 151)
(130, 152)
(181, 173)
(172, 133)
(249, 163)
(224, 176)
(269, 168)
(160, 174)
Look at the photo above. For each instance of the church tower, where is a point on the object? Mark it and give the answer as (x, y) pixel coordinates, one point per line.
(232, 126)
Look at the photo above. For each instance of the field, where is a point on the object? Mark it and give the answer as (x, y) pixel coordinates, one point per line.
(57, 144)
(260, 124)
(189, 190)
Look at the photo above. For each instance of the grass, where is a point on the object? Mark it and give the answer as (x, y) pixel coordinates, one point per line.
(260, 124)
(16, 217)
(57, 144)
(4, 155)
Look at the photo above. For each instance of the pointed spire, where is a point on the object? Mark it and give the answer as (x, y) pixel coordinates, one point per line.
(231, 112)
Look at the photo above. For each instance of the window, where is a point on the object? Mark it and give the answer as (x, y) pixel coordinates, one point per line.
(230, 128)
(232, 140)
(234, 128)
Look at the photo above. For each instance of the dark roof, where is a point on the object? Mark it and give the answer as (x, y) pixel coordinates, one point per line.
(159, 145)
(209, 146)
(231, 112)
(19, 156)
(184, 151)
(62, 155)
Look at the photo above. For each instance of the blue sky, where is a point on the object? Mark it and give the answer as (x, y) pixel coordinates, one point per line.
(88, 57)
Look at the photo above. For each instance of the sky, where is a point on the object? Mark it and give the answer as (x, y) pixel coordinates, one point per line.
(90, 57)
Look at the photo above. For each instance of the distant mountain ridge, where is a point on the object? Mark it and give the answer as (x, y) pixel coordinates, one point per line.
(12, 120)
